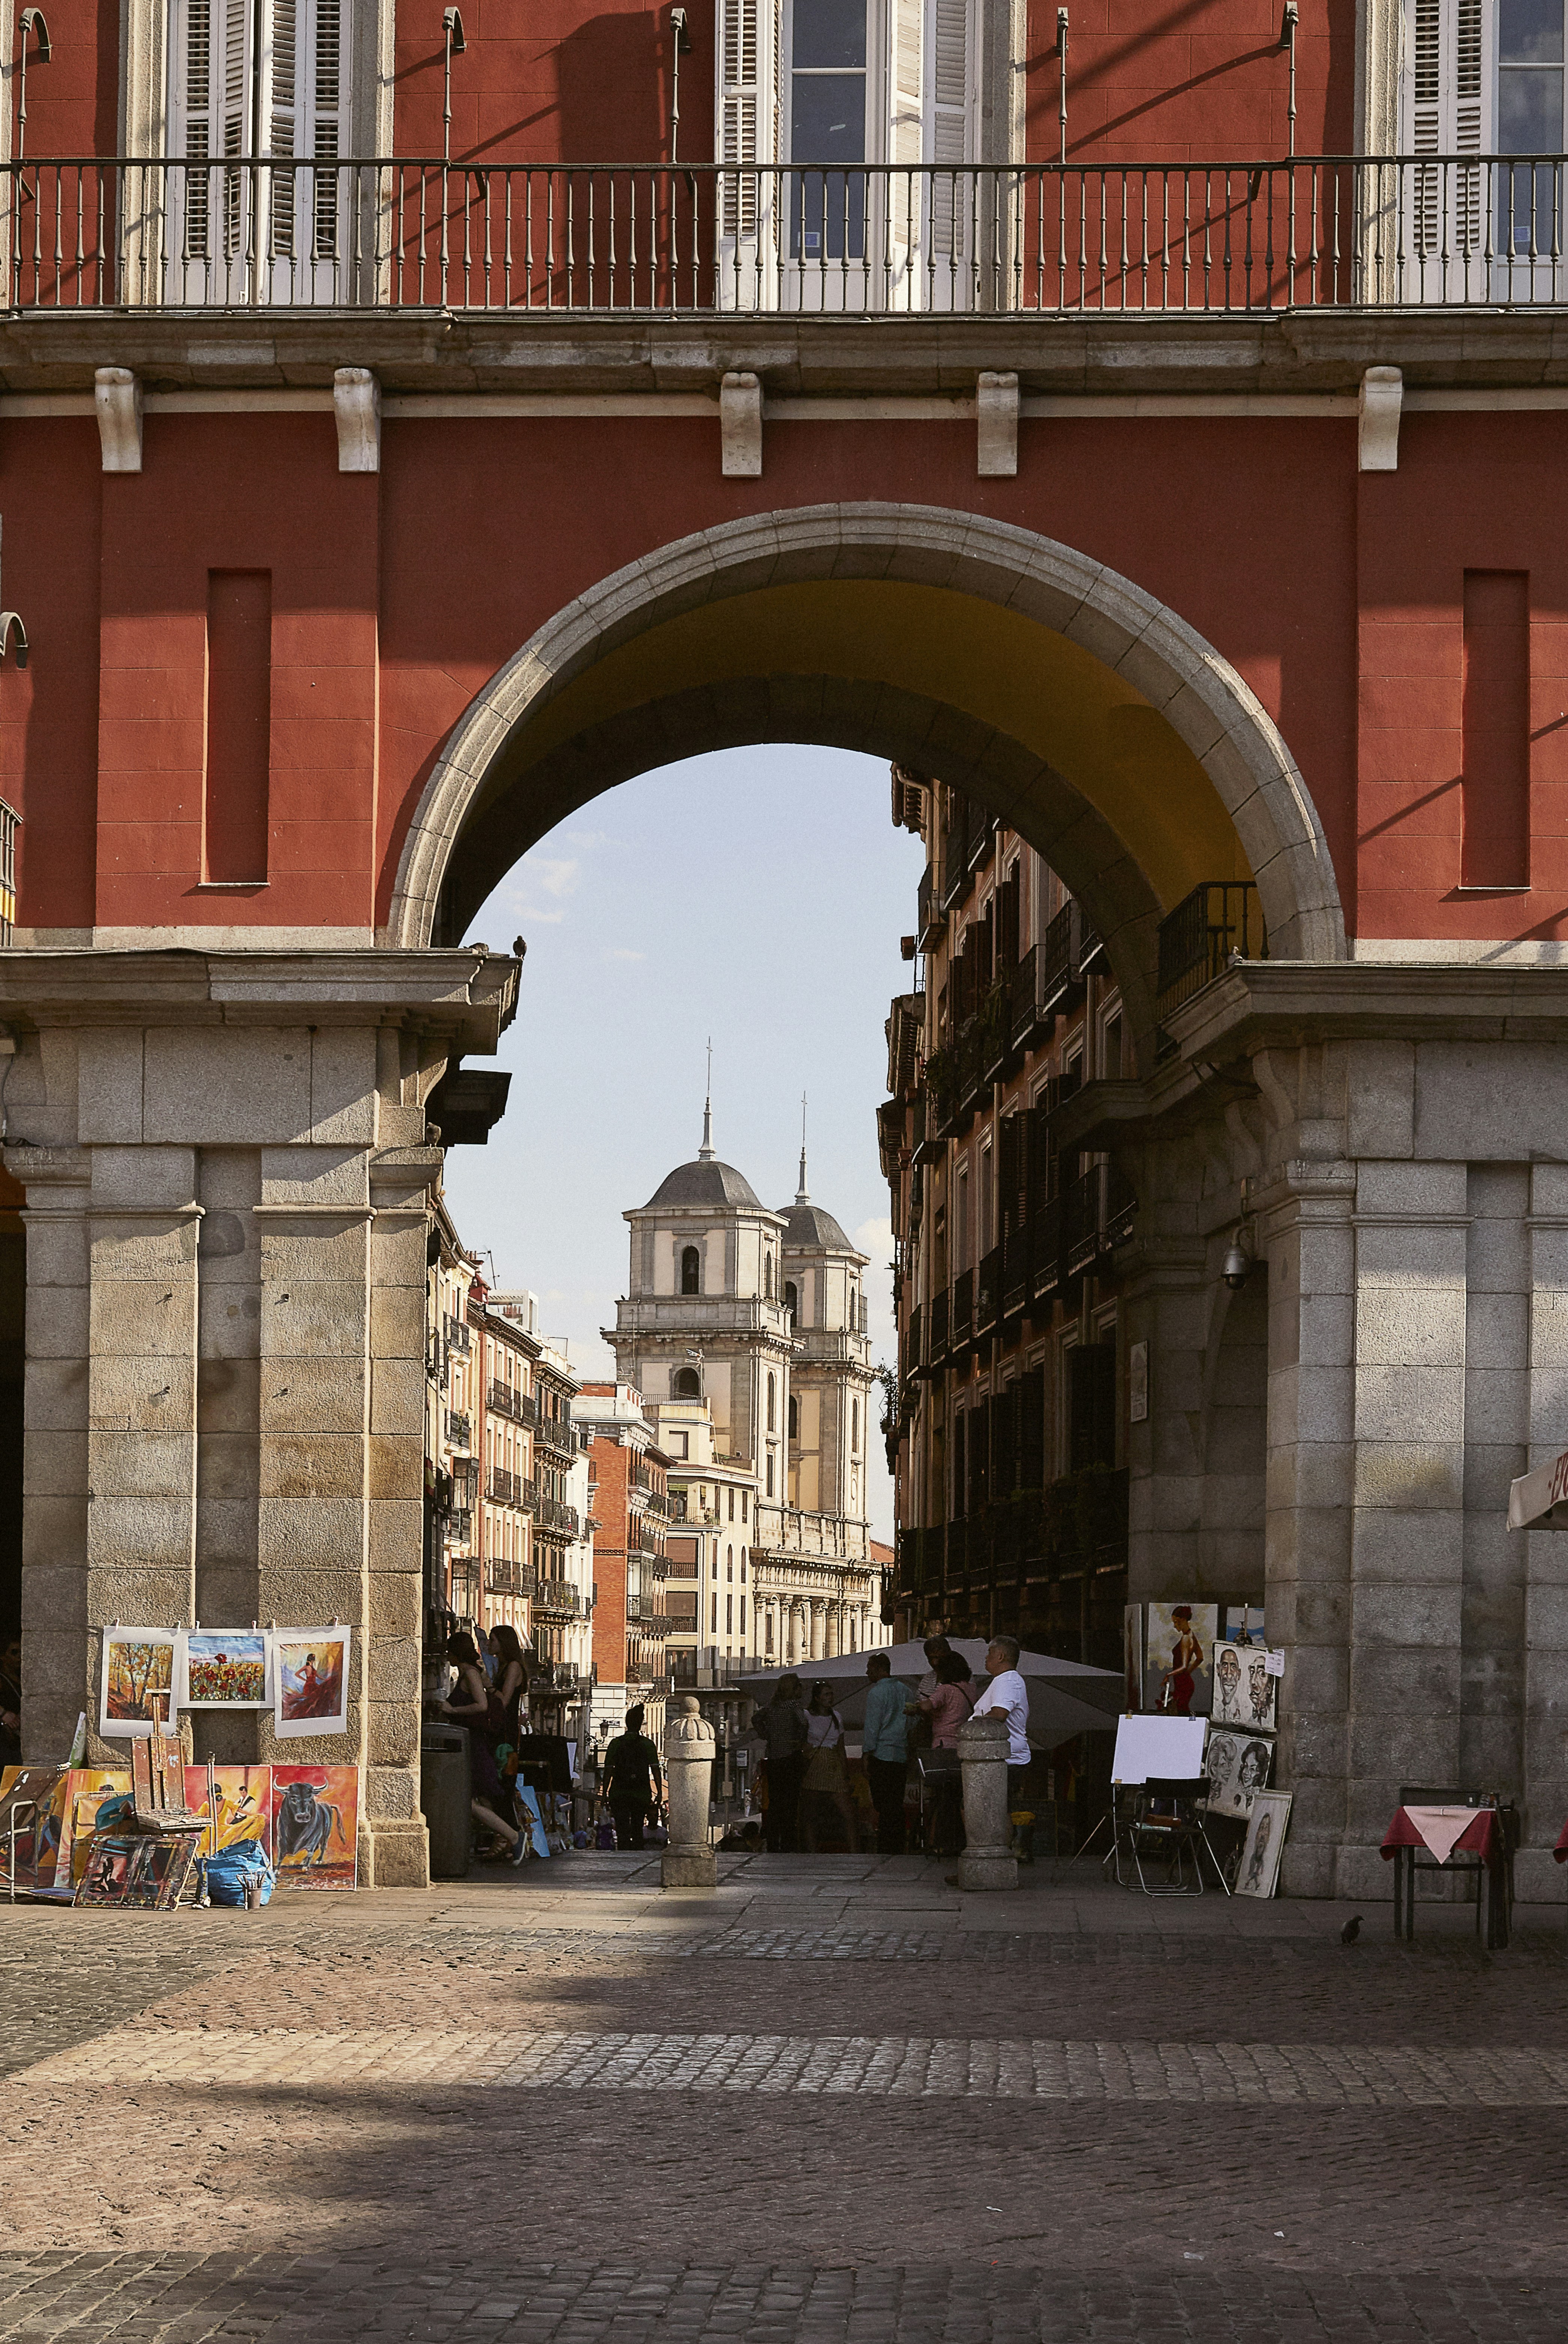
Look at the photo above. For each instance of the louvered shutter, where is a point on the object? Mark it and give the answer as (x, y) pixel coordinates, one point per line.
(749, 36)
(1447, 85)
(907, 128)
(949, 131)
(299, 49)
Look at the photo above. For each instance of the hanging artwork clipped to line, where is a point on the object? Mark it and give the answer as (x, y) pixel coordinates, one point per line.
(223, 1668)
(312, 1681)
(138, 1668)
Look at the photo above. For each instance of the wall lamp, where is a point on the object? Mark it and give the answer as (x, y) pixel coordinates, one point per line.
(1240, 1261)
(30, 23)
(1288, 23)
(1062, 76)
(456, 47)
(11, 625)
(681, 34)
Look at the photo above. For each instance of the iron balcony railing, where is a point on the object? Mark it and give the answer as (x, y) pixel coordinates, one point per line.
(278, 232)
(558, 1597)
(1197, 940)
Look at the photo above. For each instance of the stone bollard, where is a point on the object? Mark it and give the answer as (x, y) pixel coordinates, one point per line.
(987, 1860)
(689, 1860)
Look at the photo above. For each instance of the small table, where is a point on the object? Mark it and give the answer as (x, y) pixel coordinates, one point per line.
(1486, 1837)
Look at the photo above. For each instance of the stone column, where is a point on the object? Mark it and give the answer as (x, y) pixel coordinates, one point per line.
(987, 1860)
(1541, 1649)
(689, 1861)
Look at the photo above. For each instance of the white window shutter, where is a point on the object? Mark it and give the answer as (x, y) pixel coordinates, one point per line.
(907, 141)
(1448, 115)
(301, 49)
(749, 36)
(949, 119)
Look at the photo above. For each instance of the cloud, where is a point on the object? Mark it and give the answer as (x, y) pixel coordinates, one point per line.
(624, 955)
(876, 1239)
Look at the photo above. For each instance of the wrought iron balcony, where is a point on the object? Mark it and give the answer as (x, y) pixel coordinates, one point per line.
(557, 1599)
(1197, 940)
(556, 1433)
(460, 1428)
(988, 1291)
(504, 1488)
(1248, 237)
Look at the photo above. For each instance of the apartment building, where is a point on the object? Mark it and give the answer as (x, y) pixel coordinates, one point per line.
(709, 1594)
(630, 1503)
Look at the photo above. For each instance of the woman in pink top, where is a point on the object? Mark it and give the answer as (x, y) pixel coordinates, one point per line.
(950, 1701)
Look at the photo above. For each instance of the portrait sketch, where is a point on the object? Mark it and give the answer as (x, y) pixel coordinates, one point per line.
(1237, 1765)
(1260, 1868)
(1230, 1705)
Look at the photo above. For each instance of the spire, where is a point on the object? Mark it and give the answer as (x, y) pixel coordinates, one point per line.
(802, 1195)
(705, 1153)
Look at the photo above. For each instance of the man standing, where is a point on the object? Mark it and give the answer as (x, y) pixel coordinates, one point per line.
(1008, 1695)
(632, 1782)
(784, 1728)
(886, 1746)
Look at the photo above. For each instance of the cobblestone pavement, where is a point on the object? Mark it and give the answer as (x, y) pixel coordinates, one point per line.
(836, 2105)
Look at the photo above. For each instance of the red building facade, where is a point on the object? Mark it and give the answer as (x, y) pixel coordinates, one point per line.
(1007, 400)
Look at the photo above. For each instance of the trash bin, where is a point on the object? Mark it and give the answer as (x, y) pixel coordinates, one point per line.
(444, 1797)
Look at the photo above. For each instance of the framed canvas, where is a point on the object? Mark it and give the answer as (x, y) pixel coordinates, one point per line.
(1258, 1871)
(1132, 1655)
(223, 1668)
(144, 1875)
(1261, 1685)
(315, 1825)
(95, 1799)
(1237, 1765)
(1244, 1623)
(311, 1667)
(26, 1801)
(1178, 1674)
(137, 1663)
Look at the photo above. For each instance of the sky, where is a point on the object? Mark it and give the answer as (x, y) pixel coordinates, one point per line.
(756, 895)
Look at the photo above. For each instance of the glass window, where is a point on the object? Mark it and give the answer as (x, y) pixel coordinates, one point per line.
(827, 128)
(1530, 119)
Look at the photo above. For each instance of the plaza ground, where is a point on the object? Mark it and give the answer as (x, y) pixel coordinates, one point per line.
(835, 2103)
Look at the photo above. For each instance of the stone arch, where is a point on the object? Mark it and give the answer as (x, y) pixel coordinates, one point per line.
(598, 694)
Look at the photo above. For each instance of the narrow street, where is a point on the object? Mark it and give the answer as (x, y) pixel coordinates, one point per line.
(836, 2102)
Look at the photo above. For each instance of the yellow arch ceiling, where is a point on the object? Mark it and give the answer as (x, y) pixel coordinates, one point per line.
(1048, 694)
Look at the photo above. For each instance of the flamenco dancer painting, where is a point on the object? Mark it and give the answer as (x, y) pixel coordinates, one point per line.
(1180, 1656)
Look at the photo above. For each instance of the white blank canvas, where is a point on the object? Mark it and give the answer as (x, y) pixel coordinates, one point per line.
(1168, 1748)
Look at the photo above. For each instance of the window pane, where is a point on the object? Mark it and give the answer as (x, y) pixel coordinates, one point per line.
(1529, 111)
(833, 33)
(1530, 33)
(827, 118)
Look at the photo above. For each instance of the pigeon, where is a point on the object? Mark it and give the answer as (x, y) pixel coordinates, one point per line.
(1351, 1931)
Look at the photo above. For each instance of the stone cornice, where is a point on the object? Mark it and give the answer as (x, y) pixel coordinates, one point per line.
(1316, 352)
(466, 997)
(1283, 1004)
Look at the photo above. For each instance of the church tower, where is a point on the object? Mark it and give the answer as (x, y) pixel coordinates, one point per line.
(830, 1393)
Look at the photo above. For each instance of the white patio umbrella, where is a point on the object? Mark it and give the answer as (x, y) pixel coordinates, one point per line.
(1536, 1497)
(1066, 1697)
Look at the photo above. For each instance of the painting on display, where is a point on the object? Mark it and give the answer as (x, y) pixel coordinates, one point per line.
(1237, 1765)
(143, 1874)
(223, 1668)
(138, 1666)
(1260, 1868)
(1178, 1675)
(244, 1804)
(91, 1799)
(1132, 1655)
(1244, 1623)
(315, 1825)
(1232, 1703)
(26, 1796)
(312, 1680)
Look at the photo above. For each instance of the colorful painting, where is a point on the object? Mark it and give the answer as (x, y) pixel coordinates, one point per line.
(25, 1800)
(315, 1825)
(244, 1804)
(138, 1665)
(146, 1874)
(312, 1665)
(1132, 1655)
(1237, 1765)
(224, 1668)
(1258, 1871)
(90, 1799)
(1180, 1658)
(1244, 1623)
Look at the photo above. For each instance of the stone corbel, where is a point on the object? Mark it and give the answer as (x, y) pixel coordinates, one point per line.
(357, 405)
(117, 396)
(1378, 429)
(741, 427)
(996, 419)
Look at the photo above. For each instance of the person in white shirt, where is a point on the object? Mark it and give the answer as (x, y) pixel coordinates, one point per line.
(1007, 1694)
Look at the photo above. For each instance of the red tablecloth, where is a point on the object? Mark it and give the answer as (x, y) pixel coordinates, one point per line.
(1479, 1838)
(1560, 1850)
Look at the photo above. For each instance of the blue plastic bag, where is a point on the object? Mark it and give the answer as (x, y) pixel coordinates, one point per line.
(231, 1868)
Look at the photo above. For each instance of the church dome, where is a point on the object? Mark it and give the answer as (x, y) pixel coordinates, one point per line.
(809, 1230)
(704, 1182)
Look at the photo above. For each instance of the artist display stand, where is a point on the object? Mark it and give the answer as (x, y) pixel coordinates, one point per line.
(1166, 1824)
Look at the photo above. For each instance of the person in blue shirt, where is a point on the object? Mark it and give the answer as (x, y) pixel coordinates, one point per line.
(885, 1747)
